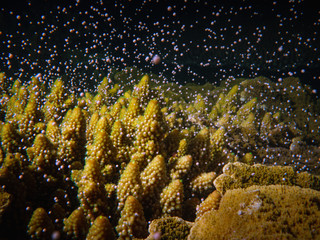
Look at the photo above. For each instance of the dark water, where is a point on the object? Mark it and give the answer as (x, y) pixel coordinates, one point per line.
(197, 41)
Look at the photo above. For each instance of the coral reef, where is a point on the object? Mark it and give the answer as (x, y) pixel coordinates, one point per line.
(262, 212)
(103, 165)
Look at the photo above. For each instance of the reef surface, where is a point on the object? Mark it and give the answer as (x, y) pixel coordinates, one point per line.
(158, 161)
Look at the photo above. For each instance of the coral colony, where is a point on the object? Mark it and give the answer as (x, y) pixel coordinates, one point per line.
(134, 120)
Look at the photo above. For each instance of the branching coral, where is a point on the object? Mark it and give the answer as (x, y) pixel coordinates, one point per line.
(107, 165)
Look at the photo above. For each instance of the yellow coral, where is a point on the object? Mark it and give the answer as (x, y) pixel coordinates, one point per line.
(181, 167)
(9, 138)
(142, 89)
(91, 192)
(103, 151)
(153, 178)
(172, 199)
(54, 106)
(73, 130)
(129, 119)
(210, 203)
(240, 175)
(150, 131)
(53, 132)
(200, 104)
(101, 229)
(169, 228)
(27, 122)
(203, 182)
(76, 226)
(129, 183)
(200, 150)
(121, 142)
(217, 142)
(104, 124)
(132, 222)
(91, 127)
(245, 109)
(42, 154)
(40, 225)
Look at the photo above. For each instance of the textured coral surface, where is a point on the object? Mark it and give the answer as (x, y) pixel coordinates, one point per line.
(127, 158)
(262, 212)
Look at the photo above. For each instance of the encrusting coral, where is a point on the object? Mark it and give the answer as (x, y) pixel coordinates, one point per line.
(169, 228)
(262, 212)
(241, 175)
(99, 165)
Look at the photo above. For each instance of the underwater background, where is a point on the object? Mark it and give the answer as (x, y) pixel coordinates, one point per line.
(197, 41)
(159, 119)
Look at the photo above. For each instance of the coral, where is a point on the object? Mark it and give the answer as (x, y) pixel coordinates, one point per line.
(73, 128)
(268, 212)
(9, 138)
(132, 222)
(55, 106)
(53, 132)
(40, 225)
(172, 198)
(116, 159)
(91, 192)
(103, 151)
(75, 226)
(42, 154)
(169, 228)
(121, 143)
(91, 127)
(5, 202)
(129, 120)
(29, 122)
(241, 175)
(150, 131)
(153, 179)
(199, 149)
(142, 90)
(203, 183)
(101, 229)
(129, 183)
(181, 167)
(212, 202)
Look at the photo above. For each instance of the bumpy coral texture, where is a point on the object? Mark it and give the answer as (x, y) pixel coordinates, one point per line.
(169, 228)
(241, 175)
(268, 212)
